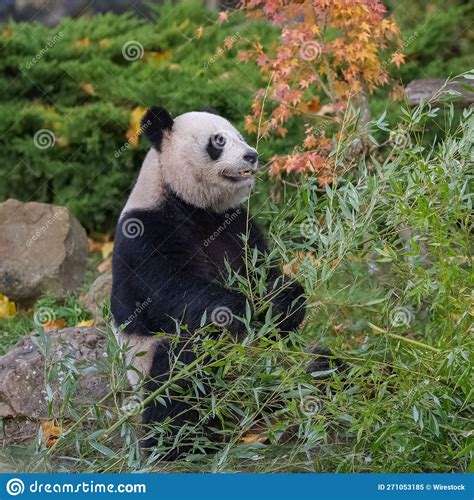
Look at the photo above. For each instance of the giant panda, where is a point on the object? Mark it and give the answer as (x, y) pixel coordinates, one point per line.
(168, 264)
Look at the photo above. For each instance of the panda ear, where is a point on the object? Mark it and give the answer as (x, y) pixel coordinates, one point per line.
(155, 121)
(208, 109)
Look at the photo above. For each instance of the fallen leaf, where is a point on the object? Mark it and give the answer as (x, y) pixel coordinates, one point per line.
(338, 328)
(56, 324)
(61, 141)
(50, 433)
(7, 307)
(85, 323)
(355, 258)
(106, 265)
(107, 249)
(88, 88)
(157, 57)
(254, 438)
(7, 32)
(134, 129)
(85, 42)
(293, 267)
(106, 42)
(94, 246)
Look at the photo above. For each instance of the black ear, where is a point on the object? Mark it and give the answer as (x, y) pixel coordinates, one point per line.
(156, 120)
(208, 109)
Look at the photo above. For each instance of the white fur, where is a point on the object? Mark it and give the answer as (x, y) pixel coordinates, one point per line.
(185, 166)
(138, 352)
(148, 190)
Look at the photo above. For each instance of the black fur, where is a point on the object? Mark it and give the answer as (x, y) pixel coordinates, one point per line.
(212, 150)
(174, 269)
(155, 121)
(323, 360)
(168, 267)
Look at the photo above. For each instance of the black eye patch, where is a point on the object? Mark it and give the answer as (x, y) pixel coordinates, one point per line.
(215, 146)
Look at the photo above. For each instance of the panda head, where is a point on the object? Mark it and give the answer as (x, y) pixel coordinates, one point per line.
(203, 158)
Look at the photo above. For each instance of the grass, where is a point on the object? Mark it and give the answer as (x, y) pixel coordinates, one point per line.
(12, 329)
(385, 256)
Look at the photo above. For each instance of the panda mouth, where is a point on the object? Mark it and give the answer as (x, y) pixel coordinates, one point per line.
(240, 176)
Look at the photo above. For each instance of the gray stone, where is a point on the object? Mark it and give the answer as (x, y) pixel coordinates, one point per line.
(98, 294)
(43, 248)
(23, 368)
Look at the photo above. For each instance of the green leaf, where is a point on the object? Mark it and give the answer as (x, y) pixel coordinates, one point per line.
(102, 448)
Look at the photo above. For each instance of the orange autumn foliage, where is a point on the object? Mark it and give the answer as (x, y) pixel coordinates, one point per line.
(329, 53)
(50, 433)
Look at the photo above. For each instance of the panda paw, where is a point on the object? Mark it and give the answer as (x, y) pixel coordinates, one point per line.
(323, 362)
(291, 306)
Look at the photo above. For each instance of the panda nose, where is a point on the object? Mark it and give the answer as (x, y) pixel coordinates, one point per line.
(251, 157)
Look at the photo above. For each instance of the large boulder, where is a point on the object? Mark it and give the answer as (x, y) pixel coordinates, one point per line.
(43, 248)
(22, 372)
(98, 295)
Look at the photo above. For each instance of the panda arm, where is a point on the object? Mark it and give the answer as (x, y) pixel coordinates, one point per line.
(152, 302)
(184, 297)
(287, 295)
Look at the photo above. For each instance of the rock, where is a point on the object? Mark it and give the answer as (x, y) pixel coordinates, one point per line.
(43, 248)
(22, 372)
(15, 431)
(98, 293)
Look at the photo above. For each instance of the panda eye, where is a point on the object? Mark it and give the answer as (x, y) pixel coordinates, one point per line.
(218, 141)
